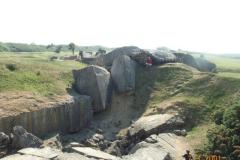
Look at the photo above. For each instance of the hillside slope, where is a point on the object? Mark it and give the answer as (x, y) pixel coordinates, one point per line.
(197, 95)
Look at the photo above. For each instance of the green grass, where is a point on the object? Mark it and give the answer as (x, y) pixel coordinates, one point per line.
(227, 67)
(162, 82)
(225, 64)
(36, 73)
(229, 74)
(198, 135)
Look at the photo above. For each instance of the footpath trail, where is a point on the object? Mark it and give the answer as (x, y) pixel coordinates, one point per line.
(181, 147)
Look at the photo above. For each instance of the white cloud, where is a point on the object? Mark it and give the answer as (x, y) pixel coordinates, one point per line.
(199, 25)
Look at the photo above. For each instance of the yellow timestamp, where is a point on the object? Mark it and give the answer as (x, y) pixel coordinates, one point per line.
(209, 157)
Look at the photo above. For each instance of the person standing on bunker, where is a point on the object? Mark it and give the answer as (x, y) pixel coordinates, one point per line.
(149, 62)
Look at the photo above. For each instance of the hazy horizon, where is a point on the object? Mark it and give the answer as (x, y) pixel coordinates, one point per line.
(199, 26)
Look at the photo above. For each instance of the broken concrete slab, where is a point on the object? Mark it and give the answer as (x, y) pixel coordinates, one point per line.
(165, 142)
(47, 153)
(123, 74)
(22, 157)
(4, 139)
(71, 156)
(151, 153)
(149, 125)
(159, 57)
(127, 50)
(94, 81)
(92, 153)
(24, 139)
(76, 144)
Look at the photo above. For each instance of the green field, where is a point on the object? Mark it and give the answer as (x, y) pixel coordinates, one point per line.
(226, 66)
(36, 73)
(225, 63)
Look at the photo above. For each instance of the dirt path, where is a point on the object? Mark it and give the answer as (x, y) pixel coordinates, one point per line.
(181, 147)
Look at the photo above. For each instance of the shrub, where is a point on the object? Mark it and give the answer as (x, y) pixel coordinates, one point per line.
(38, 73)
(58, 49)
(226, 135)
(218, 116)
(231, 117)
(11, 67)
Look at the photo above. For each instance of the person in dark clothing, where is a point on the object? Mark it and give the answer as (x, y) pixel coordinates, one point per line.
(188, 156)
(81, 54)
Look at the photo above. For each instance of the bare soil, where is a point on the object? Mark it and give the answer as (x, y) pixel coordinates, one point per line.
(12, 103)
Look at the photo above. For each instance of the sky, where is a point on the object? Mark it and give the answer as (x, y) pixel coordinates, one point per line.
(211, 26)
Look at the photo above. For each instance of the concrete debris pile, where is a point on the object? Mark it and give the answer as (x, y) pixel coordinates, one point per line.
(19, 139)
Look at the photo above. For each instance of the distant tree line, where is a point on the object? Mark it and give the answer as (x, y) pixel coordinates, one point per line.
(21, 47)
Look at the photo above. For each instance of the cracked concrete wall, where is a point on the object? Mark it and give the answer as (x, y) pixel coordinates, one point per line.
(68, 116)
